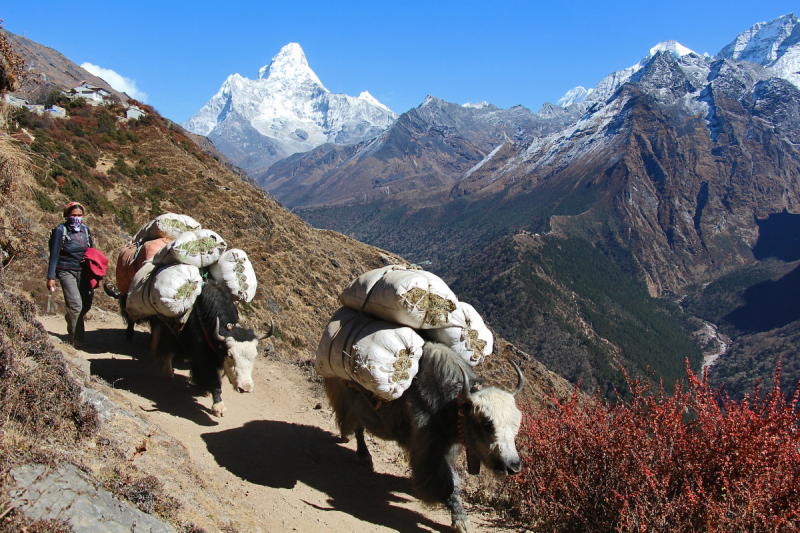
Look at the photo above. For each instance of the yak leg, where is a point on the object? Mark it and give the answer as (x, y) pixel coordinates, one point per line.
(361, 448)
(435, 479)
(169, 373)
(129, 331)
(218, 408)
(155, 335)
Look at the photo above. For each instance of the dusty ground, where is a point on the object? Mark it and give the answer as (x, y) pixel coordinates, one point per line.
(273, 463)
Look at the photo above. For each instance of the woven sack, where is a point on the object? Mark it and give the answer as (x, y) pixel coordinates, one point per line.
(380, 356)
(168, 225)
(174, 289)
(413, 298)
(235, 271)
(468, 336)
(139, 303)
(199, 248)
(126, 267)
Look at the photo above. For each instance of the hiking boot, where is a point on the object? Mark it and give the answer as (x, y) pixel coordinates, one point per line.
(78, 345)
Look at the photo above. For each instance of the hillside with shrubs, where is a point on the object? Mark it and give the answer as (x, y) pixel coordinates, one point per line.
(648, 459)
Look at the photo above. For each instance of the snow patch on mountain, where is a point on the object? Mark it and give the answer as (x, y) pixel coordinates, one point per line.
(476, 105)
(469, 172)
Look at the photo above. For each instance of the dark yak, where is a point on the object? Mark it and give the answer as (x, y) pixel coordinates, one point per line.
(211, 340)
(440, 412)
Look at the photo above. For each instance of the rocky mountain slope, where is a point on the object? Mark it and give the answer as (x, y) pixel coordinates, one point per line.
(284, 111)
(419, 157)
(668, 174)
(774, 45)
(50, 69)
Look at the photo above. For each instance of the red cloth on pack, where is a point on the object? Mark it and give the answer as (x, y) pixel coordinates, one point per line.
(95, 265)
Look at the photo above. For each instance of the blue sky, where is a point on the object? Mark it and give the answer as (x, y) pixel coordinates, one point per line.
(507, 53)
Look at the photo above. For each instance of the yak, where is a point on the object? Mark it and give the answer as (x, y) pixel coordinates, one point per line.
(211, 349)
(439, 413)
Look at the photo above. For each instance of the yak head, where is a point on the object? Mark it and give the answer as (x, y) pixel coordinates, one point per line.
(241, 346)
(488, 423)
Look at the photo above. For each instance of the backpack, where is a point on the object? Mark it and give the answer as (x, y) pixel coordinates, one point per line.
(66, 236)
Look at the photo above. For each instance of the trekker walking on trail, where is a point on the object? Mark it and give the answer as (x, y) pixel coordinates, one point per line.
(68, 244)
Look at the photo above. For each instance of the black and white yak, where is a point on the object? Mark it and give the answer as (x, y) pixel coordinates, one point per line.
(211, 340)
(439, 413)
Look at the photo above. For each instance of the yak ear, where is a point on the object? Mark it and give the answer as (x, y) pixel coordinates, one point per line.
(466, 409)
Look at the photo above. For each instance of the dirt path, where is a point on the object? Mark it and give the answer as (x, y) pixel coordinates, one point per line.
(277, 458)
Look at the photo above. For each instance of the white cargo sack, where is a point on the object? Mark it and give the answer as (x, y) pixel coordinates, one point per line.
(168, 225)
(414, 298)
(139, 305)
(174, 289)
(469, 337)
(381, 357)
(235, 271)
(199, 248)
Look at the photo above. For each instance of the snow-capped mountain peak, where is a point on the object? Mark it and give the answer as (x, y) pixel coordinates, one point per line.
(372, 100)
(673, 47)
(574, 96)
(290, 64)
(774, 44)
(284, 111)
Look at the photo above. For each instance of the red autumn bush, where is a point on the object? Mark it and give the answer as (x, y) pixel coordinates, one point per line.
(693, 461)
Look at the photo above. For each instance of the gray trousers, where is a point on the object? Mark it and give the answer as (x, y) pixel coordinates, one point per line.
(78, 296)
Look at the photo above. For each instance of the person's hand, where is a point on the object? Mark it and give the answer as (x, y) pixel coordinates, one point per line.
(51, 285)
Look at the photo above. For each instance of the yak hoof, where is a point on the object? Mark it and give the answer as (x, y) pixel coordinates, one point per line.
(462, 526)
(218, 409)
(366, 460)
(344, 439)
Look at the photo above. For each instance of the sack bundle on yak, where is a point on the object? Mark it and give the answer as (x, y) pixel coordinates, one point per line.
(182, 278)
(397, 362)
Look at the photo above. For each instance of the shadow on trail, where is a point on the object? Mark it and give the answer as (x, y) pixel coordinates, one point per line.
(135, 371)
(289, 453)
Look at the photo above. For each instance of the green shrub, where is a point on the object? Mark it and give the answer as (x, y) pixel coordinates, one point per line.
(106, 123)
(87, 159)
(44, 201)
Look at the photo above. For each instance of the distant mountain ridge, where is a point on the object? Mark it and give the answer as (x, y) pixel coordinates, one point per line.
(427, 148)
(774, 45)
(285, 110)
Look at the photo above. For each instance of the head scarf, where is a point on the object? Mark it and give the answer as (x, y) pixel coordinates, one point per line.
(74, 223)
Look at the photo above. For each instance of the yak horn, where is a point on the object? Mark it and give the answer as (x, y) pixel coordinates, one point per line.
(216, 332)
(466, 397)
(271, 331)
(521, 382)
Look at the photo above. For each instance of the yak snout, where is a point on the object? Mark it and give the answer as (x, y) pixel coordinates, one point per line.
(513, 468)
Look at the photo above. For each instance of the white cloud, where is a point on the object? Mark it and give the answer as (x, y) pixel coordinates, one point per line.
(117, 81)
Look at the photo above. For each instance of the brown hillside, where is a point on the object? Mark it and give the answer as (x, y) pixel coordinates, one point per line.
(143, 168)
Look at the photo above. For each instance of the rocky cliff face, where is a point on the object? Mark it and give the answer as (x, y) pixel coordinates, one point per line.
(682, 161)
